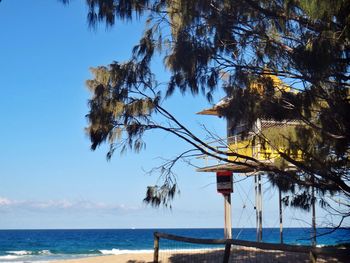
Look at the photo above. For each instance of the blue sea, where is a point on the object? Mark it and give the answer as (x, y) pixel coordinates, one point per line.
(47, 245)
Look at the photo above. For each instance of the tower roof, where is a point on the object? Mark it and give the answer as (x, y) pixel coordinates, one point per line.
(215, 109)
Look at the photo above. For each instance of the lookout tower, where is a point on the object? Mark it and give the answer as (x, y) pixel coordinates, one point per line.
(265, 143)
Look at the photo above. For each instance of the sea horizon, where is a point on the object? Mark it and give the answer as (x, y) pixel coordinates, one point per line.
(149, 228)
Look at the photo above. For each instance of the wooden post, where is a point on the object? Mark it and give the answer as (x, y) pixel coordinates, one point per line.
(227, 252)
(225, 187)
(313, 257)
(156, 248)
(260, 207)
(313, 234)
(256, 207)
(281, 216)
(227, 211)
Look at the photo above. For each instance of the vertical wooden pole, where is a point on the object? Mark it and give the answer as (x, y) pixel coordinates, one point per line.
(256, 207)
(260, 208)
(227, 210)
(281, 216)
(313, 235)
(313, 257)
(227, 253)
(156, 248)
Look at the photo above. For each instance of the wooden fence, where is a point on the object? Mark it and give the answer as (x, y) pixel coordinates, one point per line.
(314, 252)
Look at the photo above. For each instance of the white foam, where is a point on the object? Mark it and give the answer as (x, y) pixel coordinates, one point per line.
(26, 252)
(45, 252)
(116, 251)
(10, 257)
(20, 252)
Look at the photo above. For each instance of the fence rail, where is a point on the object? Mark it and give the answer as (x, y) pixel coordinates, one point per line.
(314, 252)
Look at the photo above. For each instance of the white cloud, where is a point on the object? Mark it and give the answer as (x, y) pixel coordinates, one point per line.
(4, 201)
(82, 205)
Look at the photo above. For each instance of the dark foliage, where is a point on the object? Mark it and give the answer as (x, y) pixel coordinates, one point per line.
(245, 47)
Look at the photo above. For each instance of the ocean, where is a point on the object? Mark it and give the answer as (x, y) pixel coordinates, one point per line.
(47, 245)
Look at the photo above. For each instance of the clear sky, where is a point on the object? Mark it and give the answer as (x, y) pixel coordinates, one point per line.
(49, 178)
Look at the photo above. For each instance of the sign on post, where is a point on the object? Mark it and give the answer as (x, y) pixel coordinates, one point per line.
(224, 182)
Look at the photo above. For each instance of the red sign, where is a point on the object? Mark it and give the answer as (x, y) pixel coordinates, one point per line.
(224, 182)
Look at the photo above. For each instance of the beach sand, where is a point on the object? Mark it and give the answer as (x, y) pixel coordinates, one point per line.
(212, 256)
(123, 258)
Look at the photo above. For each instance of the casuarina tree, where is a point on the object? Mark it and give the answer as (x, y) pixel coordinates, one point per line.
(240, 47)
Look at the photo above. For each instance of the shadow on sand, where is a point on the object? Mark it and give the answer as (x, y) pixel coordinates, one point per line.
(244, 256)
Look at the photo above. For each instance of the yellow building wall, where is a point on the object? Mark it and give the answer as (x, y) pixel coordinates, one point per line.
(258, 152)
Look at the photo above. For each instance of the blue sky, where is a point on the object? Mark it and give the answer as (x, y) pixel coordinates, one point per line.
(49, 176)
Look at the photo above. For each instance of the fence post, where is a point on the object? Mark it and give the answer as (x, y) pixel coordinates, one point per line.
(156, 248)
(313, 257)
(227, 252)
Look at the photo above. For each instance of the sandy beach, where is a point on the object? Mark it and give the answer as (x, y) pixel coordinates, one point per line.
(213, 256)
(129, 258)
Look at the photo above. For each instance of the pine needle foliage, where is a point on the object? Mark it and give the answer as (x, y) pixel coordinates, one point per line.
(222, 44)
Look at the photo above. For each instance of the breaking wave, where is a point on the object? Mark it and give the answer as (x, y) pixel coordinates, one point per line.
(116, 251)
